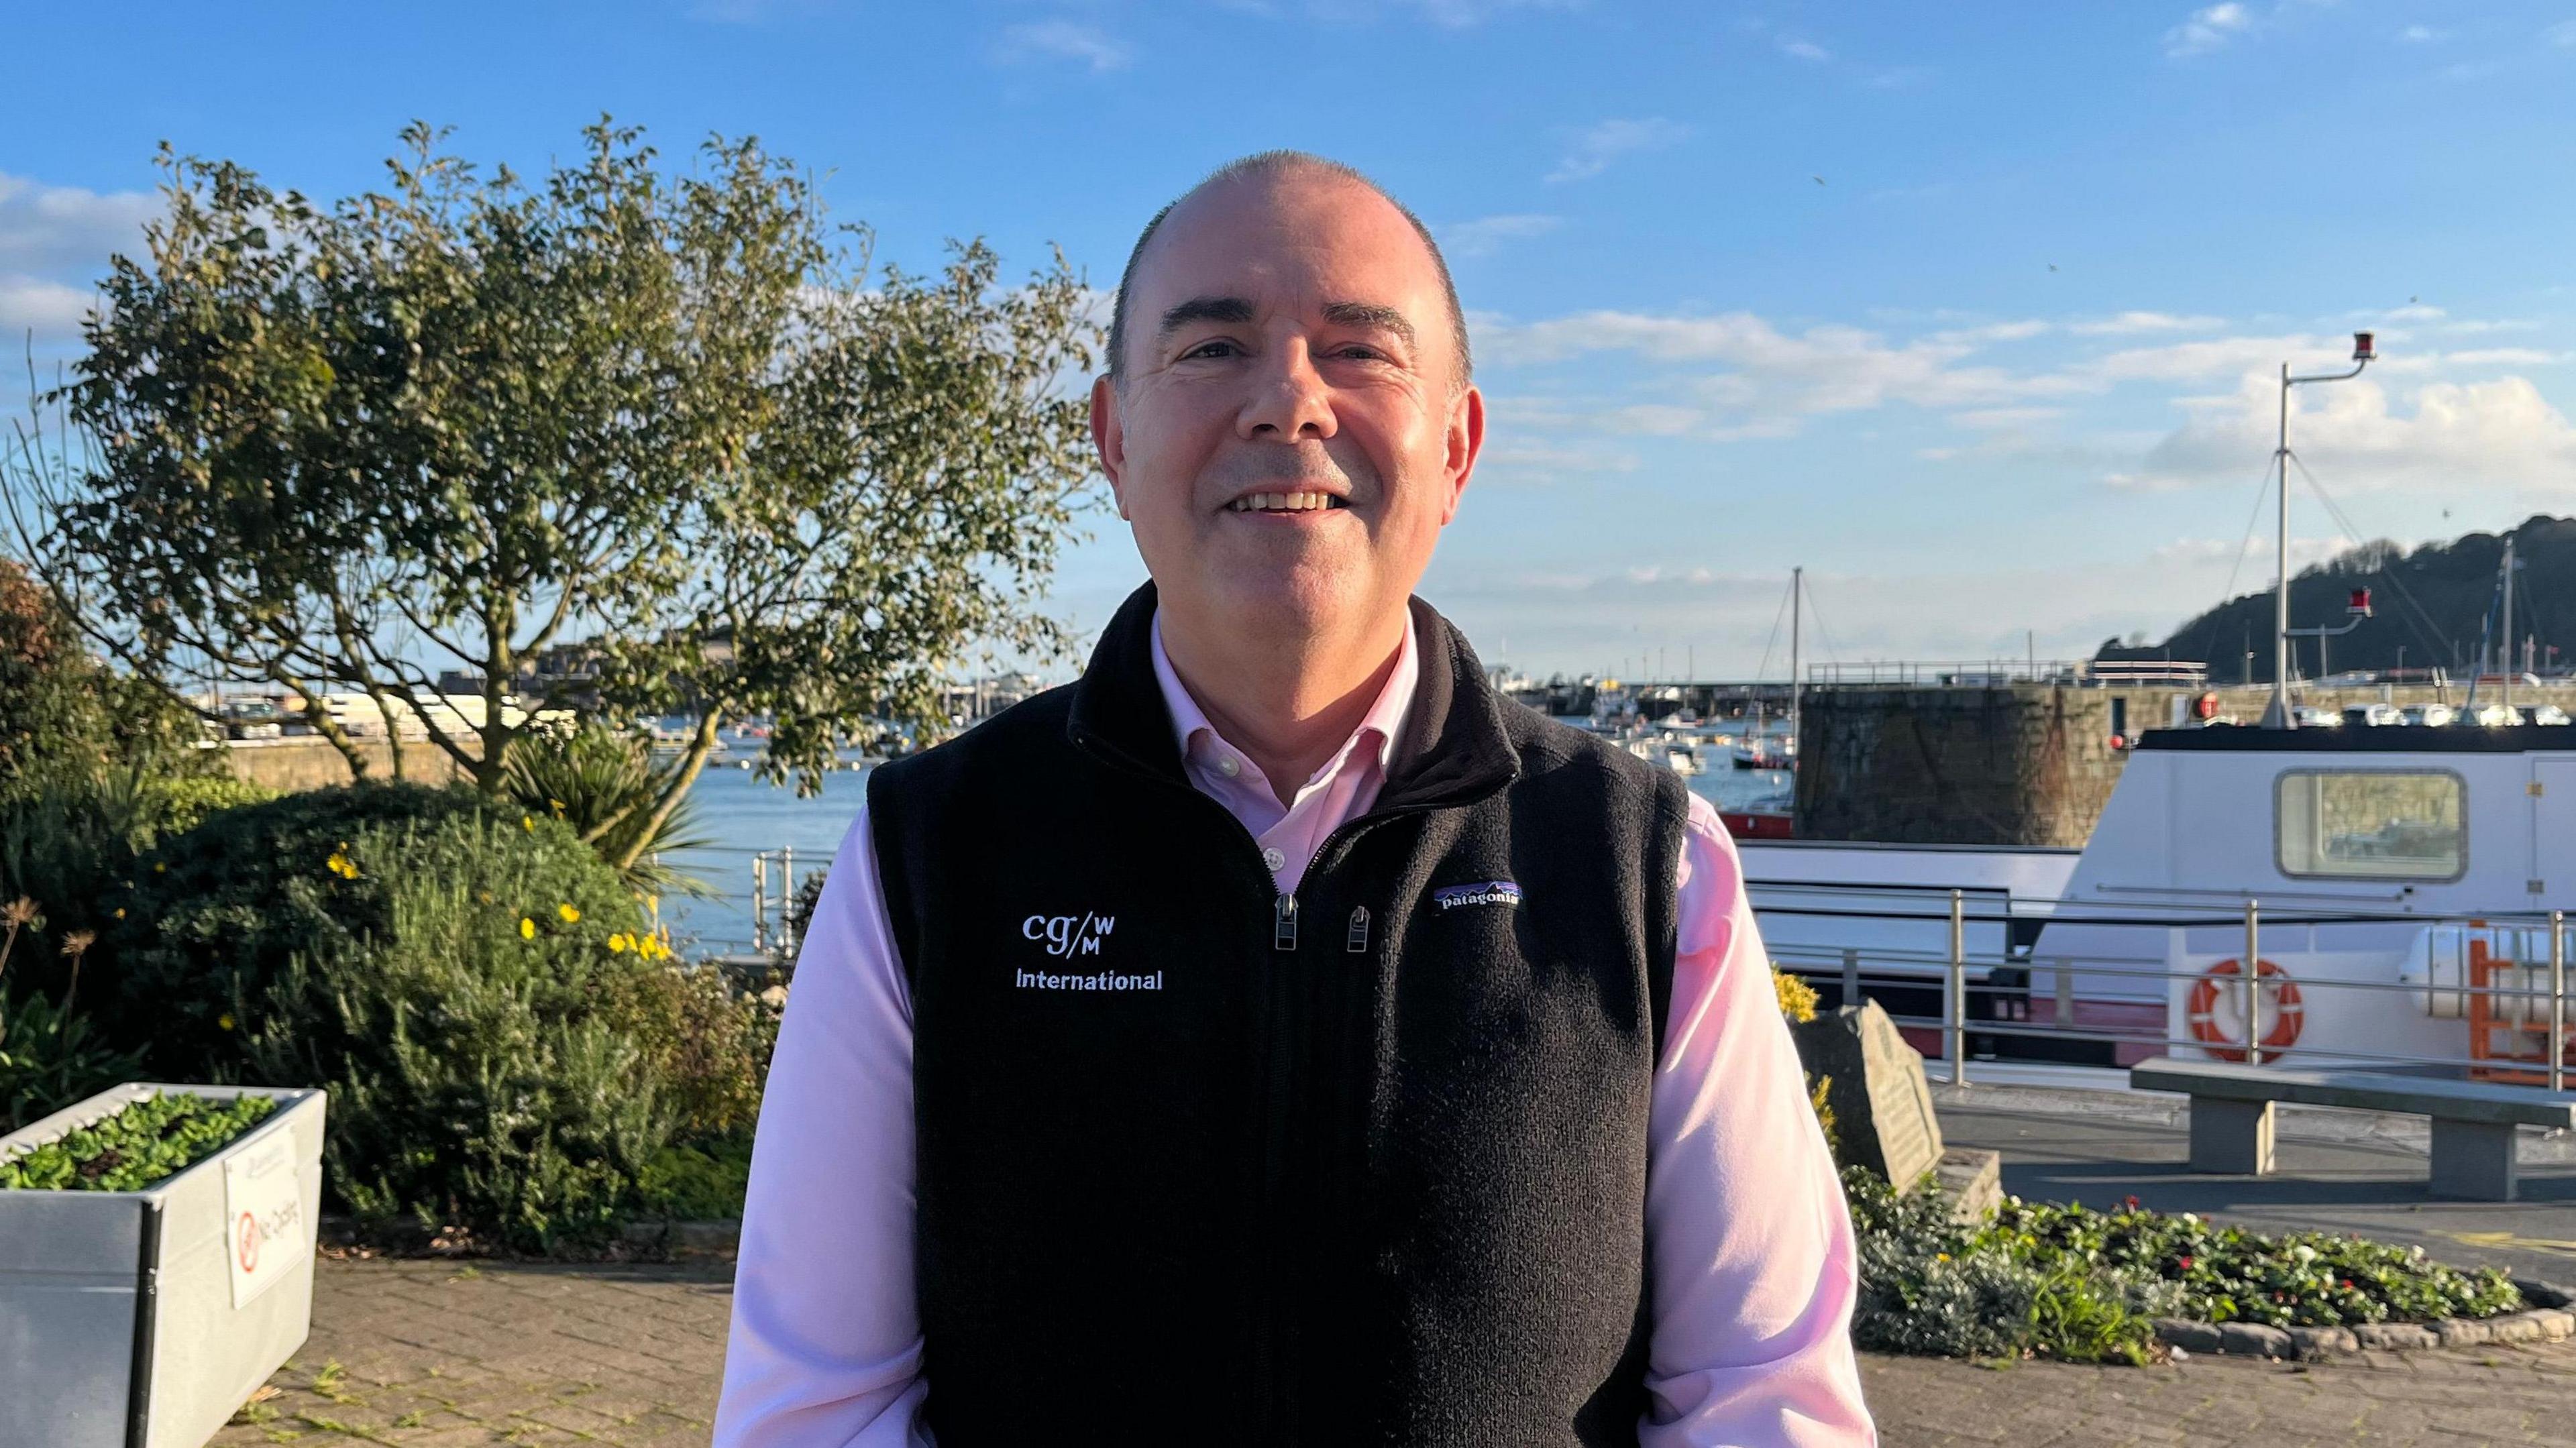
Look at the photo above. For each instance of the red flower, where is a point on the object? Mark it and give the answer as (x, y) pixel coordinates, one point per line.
(2184, 1264)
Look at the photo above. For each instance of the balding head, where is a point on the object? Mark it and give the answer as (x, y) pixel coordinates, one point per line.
(1273, 168)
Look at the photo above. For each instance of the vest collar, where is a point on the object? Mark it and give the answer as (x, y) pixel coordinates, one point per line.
(1452, 750)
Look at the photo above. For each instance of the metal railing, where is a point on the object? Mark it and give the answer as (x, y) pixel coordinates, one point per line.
(2249, 993)
(1994, 673)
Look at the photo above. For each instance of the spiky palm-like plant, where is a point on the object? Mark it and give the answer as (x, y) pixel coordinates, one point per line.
(605, 784)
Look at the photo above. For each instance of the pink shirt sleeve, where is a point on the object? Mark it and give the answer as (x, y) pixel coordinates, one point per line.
(1752, 1267)
(826, 1340)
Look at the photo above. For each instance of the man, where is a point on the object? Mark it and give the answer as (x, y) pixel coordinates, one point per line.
(1276, 1037)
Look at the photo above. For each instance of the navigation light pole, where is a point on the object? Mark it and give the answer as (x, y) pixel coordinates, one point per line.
(2277, 715)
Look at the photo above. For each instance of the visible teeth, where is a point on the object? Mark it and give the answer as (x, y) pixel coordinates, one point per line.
(1285, 503)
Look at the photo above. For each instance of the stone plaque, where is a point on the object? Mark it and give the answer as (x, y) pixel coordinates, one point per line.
(1882, 1106)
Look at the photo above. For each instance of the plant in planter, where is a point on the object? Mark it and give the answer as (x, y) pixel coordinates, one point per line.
(156, 1261)
(154, 1138)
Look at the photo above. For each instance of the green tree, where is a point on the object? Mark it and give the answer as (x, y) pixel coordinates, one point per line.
(447, 423)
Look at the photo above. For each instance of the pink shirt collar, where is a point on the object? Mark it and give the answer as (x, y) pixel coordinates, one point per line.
(1380, 726)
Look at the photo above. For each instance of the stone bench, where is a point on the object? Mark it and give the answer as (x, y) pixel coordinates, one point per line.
(2473, 1121)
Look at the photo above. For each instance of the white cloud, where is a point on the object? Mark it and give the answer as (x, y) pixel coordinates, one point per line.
(2208, 29)
(1065, 40)
(1806, 50)
(1460, 14)
(48, 309)
(2562, 33)
(1578, 614)
(2133, 323)
(2007, 417)
(53, 228)
(2490, 435)
(1596, 146)
(2420, 34)
(1486, 234)
(1524, 463)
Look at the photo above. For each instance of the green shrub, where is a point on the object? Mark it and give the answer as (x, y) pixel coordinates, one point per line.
(69, 839)
(443, 964)
(155, 1137)
(50, 1057)
(213, 915)
(708, 1043)
(698, 1183)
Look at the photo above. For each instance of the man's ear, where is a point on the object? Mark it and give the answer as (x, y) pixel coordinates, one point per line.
(1466, 441)
(1109, 438)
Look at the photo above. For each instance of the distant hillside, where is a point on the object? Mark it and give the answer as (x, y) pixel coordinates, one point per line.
(2453, 583)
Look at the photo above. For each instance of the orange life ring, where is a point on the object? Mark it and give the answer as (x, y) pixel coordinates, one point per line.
(2288, 1015)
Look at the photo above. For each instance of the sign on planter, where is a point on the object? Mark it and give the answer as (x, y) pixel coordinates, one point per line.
(265, 1234)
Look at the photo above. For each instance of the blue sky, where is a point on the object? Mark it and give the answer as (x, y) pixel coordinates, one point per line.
(1969, 309)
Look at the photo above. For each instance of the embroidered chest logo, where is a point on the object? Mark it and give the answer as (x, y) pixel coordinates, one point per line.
(1064, 937)
(1483, 892)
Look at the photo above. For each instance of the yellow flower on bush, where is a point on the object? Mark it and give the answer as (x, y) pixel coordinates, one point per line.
(341, 865)
(570, 915)
(527, 928)
(619, 942)
(225, 1020)
(528, 823)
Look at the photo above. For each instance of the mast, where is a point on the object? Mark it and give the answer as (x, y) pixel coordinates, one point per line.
(1797, 587)
(2508, 649)
(2278, 715)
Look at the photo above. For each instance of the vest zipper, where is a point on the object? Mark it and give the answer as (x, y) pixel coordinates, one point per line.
(1268, 1397)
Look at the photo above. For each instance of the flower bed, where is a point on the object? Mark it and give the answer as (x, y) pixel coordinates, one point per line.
(2229, 1274)
(2066, 1282)
(153, 1139)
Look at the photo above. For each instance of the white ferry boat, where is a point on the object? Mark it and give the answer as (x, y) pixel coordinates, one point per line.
(2398, 880)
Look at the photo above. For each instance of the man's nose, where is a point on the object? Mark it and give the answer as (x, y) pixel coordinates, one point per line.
(1289, 401)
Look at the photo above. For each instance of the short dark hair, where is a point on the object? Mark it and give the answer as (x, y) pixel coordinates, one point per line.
(1273, 163)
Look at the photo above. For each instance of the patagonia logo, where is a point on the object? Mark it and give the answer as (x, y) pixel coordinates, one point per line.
(1484, 892)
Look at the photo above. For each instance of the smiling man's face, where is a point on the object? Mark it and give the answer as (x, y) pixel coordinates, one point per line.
(1289, 431)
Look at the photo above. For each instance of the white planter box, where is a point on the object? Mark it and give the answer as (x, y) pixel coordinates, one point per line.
(117, 1323)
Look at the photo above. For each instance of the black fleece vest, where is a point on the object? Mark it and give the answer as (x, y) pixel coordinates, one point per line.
(1199, 1163)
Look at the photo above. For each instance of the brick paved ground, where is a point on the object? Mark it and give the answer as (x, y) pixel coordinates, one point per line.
(438, 1355)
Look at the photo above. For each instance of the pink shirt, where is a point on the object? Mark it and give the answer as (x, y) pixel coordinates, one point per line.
(1750, 1257)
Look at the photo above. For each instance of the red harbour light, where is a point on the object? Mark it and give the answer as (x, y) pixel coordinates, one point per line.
(2361, 347)
(2359, 605)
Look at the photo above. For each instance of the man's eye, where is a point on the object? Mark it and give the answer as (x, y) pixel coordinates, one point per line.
(1211, 349)
(1361, 353)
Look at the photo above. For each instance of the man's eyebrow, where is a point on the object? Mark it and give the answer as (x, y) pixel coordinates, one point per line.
(1369, 314)
(1206, 309)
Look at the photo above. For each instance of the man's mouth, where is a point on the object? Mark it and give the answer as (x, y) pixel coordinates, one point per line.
(1285, 503)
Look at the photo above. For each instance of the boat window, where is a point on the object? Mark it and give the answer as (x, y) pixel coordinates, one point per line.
(2377, 824)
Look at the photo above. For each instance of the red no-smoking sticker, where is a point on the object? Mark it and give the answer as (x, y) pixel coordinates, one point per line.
(246, 1242)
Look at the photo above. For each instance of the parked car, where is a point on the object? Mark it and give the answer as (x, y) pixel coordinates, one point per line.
(2493, 716)
(2309, 717)
(2372, 715)
(2432, 714)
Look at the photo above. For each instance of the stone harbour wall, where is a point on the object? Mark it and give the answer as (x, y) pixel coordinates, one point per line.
(2009, 764)
(309, 762)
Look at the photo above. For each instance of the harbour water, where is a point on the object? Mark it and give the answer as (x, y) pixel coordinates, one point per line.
(740, 817)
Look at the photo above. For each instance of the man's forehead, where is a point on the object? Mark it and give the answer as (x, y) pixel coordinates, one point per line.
(1287, 238)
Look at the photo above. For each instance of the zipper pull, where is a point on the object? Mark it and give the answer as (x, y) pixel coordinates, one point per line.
(1283, 924)
(1357, 944)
